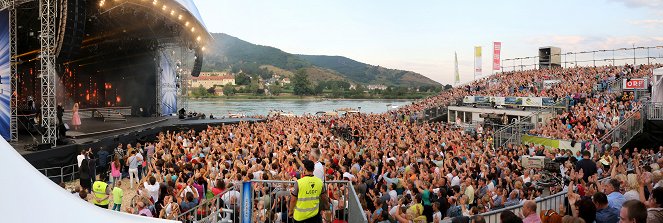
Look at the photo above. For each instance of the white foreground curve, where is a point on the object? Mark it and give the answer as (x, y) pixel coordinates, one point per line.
(28, 196)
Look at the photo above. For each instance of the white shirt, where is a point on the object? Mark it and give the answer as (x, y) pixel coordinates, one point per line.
(80, 159)
(319, 171)
(152, 190)
(393, 196)
(455, 181)
(233, 193)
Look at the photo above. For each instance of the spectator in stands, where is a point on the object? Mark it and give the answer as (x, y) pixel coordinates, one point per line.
(633, 211)
(509, 217)
(587, 165)
(612, 188)
(529, 212)
(604, 213)
(655, 206)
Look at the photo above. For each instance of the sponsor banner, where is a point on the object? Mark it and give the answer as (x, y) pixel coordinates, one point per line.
(477, 61)
(548, 102)
(5, 76)
(246, 202)
(513, 101)
(168, 85)
(532, 101)
(547, 84)
(635, 83)
(497, 100)
(468, 99)
(481, 99)
(497, 49)
(550, 143)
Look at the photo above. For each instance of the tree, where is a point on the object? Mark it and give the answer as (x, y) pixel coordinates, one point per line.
(211, 91)
(200, 91)
(275, 89)
(228, 90)
(448, 86)
(300, 83)
(242, 79)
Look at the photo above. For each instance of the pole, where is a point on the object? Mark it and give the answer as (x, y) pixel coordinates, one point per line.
(634, 54)
(594, 58)
(648, 55)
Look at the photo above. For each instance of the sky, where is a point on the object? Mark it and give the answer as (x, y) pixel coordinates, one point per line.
(423, 35)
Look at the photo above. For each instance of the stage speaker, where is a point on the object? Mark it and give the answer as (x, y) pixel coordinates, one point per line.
(550, 57)
(71, 29)
(198, 63)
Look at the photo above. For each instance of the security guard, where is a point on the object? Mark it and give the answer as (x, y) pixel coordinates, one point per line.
(308, 197)
(101, 192)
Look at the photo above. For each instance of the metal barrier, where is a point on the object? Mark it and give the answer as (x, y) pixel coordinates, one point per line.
(512, 133)
(271, 201)
(655, 111)
(550, 202)
(68, 173)
(222, 208)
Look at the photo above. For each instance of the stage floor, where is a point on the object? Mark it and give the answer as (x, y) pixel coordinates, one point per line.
(95, 129)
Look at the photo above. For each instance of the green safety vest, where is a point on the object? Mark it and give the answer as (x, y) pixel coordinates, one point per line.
(99, 189)
(308, 198)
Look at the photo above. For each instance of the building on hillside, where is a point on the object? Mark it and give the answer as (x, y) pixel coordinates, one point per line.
(285, 81)
(376, 87)
(211, 81)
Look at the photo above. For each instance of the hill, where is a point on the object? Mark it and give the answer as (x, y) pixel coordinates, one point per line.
(231, 53)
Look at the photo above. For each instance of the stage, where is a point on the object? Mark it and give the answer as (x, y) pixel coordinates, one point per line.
(97, 134)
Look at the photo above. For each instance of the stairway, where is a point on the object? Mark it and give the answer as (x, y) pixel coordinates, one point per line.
(108, 114)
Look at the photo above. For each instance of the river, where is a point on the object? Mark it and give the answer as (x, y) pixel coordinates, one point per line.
(296, 106)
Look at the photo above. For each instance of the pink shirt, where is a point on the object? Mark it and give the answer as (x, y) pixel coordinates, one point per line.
(115, 171)
(532, 218)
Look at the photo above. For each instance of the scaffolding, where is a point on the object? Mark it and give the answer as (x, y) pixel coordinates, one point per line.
(47, 71)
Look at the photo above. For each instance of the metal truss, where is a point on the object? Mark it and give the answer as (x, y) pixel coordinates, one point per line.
(183, 96)
(13, 125)
(47, 9)
(158, 82)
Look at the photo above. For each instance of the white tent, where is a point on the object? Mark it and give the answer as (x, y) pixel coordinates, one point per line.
(28, 196)
(657, 86)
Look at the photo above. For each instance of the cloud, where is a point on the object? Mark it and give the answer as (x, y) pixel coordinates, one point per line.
(583, 43)
(649, 23)
(641, 3)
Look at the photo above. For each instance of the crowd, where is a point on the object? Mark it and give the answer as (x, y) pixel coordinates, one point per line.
(402, 170)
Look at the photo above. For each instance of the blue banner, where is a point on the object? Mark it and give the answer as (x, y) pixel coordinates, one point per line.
(5, 75)
(247, 204)
(548, 101)
(513, 101)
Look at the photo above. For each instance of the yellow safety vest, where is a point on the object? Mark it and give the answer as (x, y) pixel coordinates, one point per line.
(99, 189)
(308, 198)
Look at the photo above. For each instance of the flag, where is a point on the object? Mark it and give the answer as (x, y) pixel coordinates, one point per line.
(477, 61)
(457, 75)
(497, 49)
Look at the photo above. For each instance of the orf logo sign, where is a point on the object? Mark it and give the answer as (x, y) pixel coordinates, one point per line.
(635, 83)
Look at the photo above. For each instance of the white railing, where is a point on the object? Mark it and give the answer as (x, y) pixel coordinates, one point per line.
(655, 111)
(64, 174)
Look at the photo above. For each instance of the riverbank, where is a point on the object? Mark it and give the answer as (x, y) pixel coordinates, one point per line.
(295, 97)
(220, 107)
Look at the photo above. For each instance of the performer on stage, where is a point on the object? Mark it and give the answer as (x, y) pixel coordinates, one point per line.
(75, 118)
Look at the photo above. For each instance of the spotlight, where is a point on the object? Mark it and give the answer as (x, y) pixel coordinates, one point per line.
(203, 48)
(164, 7)
(172, 12)
(198, 38)
(193, 29)
(155, 2)
(186, 23)
(179, 17)
(102, 3)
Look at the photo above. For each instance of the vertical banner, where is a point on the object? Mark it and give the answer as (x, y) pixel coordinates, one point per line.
(497, 48)
(477, 61)
(247, 205)
(168, 85)
(5, 76)
(456, 73)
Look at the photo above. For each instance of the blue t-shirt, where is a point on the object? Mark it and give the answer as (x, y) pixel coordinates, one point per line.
(185, 206)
